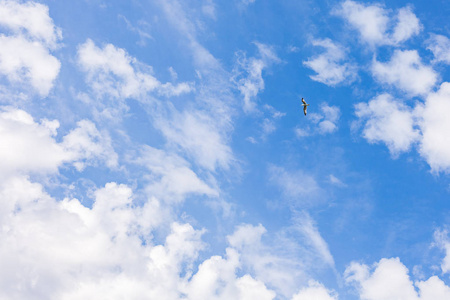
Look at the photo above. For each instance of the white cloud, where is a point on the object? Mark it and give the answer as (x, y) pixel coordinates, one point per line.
(406, 72)
(281, 268)
(315, 291)
(435, 125)
(171, 177)
(374, 22)
(201, 135)
(323, 122)
(390, 280)
(306, 225)
(440, 46)
(64, 250)
(30, 147)
(407, 26)
(87, 145)
(371, 20)
(248, 74)
(111, 71)
(329, 66)
(25, 55)
(30, 19)
(389, 122)
(442, 241)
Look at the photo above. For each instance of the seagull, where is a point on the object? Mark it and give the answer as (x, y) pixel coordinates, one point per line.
(305, 105)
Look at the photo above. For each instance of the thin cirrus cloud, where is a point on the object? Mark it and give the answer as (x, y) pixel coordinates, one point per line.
(247, 74)
(330, 66)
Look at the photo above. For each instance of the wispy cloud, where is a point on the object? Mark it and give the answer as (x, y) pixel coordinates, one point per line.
(247, 74)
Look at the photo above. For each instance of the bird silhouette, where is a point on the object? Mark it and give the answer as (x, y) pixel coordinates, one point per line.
(305, 105)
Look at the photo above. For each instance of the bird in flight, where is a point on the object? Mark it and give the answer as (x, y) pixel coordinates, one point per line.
(305, 105)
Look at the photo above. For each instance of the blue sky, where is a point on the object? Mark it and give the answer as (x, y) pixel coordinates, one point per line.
(158, 150)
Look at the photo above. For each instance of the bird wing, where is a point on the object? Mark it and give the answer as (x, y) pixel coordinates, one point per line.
(304, 109)
(303, 100)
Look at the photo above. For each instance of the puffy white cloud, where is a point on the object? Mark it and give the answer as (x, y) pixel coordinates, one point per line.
(171, 177)
(407, 25)
(435, 125)
(30, 19)
(440, 46)
(30, 147)
(406, 72)
(25, 55)
(390, 280)
(330, 66)
(248, 74)
(64, 250)
(389, 122)
(315, 291)
(370, 20)
(374, 22)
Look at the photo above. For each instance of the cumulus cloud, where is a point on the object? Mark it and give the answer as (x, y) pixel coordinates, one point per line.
(25, 52)
(30, 147)
(406, 72)
(390, 280)
(440, 46)
(315, 291)
(388, 121)
(330, 66)
(65, 250)
(435, 125)
(375, 24)
(248, 74)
